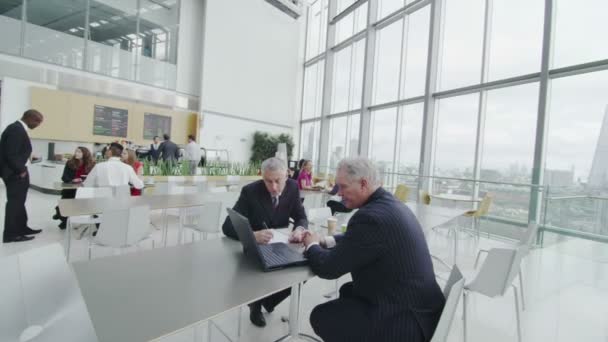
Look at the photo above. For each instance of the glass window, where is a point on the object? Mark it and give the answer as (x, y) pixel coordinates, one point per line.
(313, 90)
(510, 128)
(455, 136)
(411, 138)
(353, 23)
(579, 27)
(462, 43)
(158, 28)
(309, 141)
(10, 21)
(516, 49)
(383, 140)
(55, 32)
(388, 60)
(577, 114)
(386, 7)
(343, 139)
(417, 28)
(347, 83)
(317, 28)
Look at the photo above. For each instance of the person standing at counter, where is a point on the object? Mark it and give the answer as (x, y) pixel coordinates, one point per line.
(75, 170)
(154, 152)
(15, 151)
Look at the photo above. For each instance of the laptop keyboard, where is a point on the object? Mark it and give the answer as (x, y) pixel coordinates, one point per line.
(273, 258)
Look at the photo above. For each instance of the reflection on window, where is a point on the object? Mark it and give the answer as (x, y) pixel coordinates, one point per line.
(348, 78)
(313, 91)
(309, 141)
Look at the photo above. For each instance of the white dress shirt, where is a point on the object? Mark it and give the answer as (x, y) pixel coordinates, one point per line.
(27, 132)
(193, 151)
(113, 173)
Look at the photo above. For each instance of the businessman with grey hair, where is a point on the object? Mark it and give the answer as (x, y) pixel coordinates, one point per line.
(270, 203)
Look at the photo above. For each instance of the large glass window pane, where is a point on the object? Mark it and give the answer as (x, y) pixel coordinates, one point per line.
(516, 49)
(353, 23)
(411, 138)
(575, 147)
(347, 83)
(343, 139)
(416, 51)
(455, 136)
(55, 31)
(158, 27)
(309, 141)
(510, 130)
(579, 27)
(388, 59)
(10, 21)
(313, 90)
(113, 37)
(462, 43)
(383, 141)
(386, 7)
(317, 28)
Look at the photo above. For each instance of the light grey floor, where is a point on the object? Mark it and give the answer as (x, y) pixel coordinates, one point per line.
(566, 288)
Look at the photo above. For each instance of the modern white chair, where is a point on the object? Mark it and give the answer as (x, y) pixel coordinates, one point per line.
(122, 191)
(495, 278)
(123, 228)
(87, 220)
(526, 239)
(452, 292)
(204, 220)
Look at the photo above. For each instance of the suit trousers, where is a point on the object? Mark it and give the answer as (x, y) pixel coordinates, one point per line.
(273, 300)
(15, 218)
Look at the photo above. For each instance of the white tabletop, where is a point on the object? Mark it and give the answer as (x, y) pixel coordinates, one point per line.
(431, 216)
(38, 288)
(142, 296)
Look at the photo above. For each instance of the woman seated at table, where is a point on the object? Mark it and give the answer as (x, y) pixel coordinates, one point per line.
(305, 176)
(128, 157)
(76, 169)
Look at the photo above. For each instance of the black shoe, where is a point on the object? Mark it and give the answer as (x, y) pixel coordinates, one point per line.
(62, 225)
(268, 309)
(19, 238)
(30, 231)
(56, 216)
(256, 317)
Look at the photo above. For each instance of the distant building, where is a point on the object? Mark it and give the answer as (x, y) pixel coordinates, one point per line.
(598, 177)
(559, 177)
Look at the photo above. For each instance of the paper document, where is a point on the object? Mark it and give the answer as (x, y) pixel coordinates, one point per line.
(278, 236)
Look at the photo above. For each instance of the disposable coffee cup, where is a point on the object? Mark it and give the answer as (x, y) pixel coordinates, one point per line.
(343, 228)
(332, 222)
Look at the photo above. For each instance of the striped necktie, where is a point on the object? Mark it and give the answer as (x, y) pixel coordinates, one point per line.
(275, 202)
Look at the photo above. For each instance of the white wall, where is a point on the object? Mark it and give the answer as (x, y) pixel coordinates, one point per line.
(189, 58)
(16, 99)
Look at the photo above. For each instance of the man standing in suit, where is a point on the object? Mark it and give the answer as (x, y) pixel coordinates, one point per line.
(393, 295)
(15, 151)
(270, 203)
(168, 150)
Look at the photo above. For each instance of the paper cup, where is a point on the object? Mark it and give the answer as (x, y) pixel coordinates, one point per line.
(332, 222)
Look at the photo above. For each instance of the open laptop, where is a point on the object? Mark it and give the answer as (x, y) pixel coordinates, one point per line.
(272, 256)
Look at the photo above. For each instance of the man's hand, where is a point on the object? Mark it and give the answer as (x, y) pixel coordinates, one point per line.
(297, 235)
(23, 174)
(262, 237)
(310, 237)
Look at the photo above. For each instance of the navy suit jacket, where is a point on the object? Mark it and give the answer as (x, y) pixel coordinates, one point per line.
(255, 203)
(15, 149)
(385, 251)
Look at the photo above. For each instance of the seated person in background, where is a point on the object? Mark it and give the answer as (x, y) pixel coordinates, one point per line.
(335, 203)
(75, 170)
(113, 172)
(128, 157)
(393, 295)
(270, 203)
(305, 176)
(296, 172)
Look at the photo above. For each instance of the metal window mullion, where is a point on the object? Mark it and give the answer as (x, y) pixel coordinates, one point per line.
(350, 9)
(403, 102)
(541, 123)
(368, 77)
(508, 82)
(399, 118)
(23, 27)
(579, 69)
(87, 36)
(136, 70)
(400, 13)
(304, 81)
(314, 59)
(349, 41)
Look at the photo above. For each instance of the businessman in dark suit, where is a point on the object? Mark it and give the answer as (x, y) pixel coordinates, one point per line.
(15, 150)
(168, 150)
(393, 295)
(270, 203)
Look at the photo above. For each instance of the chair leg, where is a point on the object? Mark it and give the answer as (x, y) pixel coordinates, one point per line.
(517, 313)
(464, 315)
(90, 250)
(521, 289)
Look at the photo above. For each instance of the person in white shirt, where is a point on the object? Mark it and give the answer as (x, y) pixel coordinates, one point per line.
(193, 154)
(113, 172)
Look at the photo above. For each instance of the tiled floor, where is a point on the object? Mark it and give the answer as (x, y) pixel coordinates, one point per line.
(566, 288)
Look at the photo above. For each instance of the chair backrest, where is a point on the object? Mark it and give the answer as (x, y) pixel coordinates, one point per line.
(484, 206)
(208, 217)
(121, 191)
(86, 192)
(493, 277)
(198, 179)
(402, 192)
(425, 197)
(527, 238)
(233, 178)
(318, 215)
(452, 293)
(124, 227)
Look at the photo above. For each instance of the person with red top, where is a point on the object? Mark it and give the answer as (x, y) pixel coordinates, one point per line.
(128, 157)
(76, 169)
(305, 176)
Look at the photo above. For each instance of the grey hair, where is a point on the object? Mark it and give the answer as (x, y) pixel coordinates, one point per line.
(274, 164)
(360, 168)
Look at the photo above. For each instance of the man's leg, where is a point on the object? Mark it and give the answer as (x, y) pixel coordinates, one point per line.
(275, 299)
(14, 218)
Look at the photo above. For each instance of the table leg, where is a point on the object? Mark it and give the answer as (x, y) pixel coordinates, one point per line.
(165, 227)
(68, 240)
(294, 318)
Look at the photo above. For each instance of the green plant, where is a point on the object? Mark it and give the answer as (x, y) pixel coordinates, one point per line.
(265, 146)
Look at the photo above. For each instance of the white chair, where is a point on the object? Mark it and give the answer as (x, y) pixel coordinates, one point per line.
(121, 191)
(495, 278)
(204, 219)
(199, 179)
(174, 179)
(123, 228)
(87, 220)
(526, 239)
(452, 292)
(218, 189)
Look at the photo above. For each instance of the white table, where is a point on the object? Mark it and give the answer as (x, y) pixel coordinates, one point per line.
(456, 198)
(38, 290)
(154, 293)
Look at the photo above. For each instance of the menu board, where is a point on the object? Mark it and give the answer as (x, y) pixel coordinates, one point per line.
(156, 125)
(110, 121)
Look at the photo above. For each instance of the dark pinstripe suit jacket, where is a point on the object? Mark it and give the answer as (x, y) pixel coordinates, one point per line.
(386, 253)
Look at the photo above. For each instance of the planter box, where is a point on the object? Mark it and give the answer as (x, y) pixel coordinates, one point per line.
(164, 179)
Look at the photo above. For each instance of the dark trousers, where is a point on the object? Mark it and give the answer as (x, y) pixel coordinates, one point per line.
(343, 319)
(65, 194)
(337, 207)
(273, 300)
(15, 215)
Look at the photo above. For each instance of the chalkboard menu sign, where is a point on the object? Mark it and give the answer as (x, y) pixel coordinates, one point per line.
(110, 121)
(155, 124)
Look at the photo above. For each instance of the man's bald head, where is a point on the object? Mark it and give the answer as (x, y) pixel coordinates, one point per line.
(32, 118)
